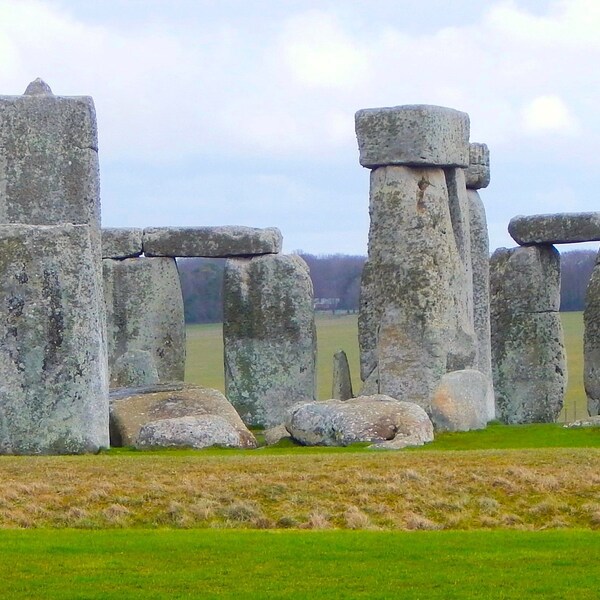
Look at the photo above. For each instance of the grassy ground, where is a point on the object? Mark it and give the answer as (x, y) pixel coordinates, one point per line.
(234, 564)
(205, 356)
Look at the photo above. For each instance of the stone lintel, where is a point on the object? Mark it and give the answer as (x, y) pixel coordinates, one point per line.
(121, 242)
(477, 174)
(561, 228)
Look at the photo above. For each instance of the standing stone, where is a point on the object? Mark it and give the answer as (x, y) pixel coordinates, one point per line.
(53, 382)
(342, 383)
(480, 268)
(591, 342)
(269, 336)
(145, 312)
(528, 354)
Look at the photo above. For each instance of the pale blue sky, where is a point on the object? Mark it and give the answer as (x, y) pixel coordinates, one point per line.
(241, 112)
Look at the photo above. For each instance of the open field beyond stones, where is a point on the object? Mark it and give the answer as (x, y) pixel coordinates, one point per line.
(554, 565)
(205, 356)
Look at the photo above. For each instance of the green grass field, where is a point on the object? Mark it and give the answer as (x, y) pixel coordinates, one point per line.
(205, 357)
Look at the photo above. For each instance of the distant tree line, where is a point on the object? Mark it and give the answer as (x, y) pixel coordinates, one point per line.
(336, 277)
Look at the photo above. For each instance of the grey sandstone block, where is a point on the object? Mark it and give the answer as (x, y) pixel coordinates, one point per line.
(591, 343)
(417, 135)
(53, 364)
(342, 382)
(211, 242)
(563, 228)
(121, 242)
(477, 174)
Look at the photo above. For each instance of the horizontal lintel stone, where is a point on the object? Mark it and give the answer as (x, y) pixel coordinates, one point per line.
(477, 174)
(417, 135)
(211, 242)
(561, 228)
(121, 242)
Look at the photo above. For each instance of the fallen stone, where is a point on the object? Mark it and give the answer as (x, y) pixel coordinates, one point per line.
(564, 228)
(591, 343)
(132, 408)
(461, 401)
(593, 421)
(417, 135)
(211, 242)
(189, 432)
(133, 369)
(477, 174)
(53, 365)
(364, 419)
(342, 382)
(121, 242)
(273, 435)
(144, 308)
(269, 336)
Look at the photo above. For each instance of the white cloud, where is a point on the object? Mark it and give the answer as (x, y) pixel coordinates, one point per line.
(548, 114)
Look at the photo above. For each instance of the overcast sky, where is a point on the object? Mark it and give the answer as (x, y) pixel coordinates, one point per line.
(242, 112)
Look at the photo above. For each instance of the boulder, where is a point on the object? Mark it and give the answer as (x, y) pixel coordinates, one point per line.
(144, 307)
(591, 343)
(269, 336)
(461, 401)
(273, 435)
(132, 408)
(121, 242)
(342, 382)
(563, 228)
(418, 135)
(376, 418)
(211, 242)
(190, 432)
(53, 364)
(477, 174)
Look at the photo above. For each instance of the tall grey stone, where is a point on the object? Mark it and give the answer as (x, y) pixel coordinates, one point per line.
(342, 382)
(53, 371)
(269, 336)
(528, 354)
(144, 308)
(591, 342)
(480, 268)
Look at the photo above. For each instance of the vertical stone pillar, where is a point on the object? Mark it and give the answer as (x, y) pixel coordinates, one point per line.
(416, 317)
(528, 354)
(269, 336)
(591, 342)
(145, 318)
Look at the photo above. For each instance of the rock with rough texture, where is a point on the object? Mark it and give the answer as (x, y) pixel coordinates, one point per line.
(417, 313)
(525, 279)
(591, 342)
(342, 382)
(273, 435)
(419, 135)
(480, 269)
(189, 432)
(376, 418)
(593, 421)
(121, 242)
(144, 308)
(215, 242)
(131, 409)
(461, 401)
(477, 174)
(133, 369)
(53, 365)
(269, 336)
(563, 228)
(49, 160)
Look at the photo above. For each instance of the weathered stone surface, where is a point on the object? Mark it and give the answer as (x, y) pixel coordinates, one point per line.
(134, 368)
(189, 432)
(121, 242)
(477, 174)
(216, 242)
(53, 369)
(563, 228)
(417, 314)
(49, 160)
(529, 365)
(480, 268)
(273, 435)
(269, 336)
(593, 421)
(461, 401)
(342, 382)
(525, 279)
(145, 312)
(420, 135)
(591, 343)
(131, 409)
(364, 419)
